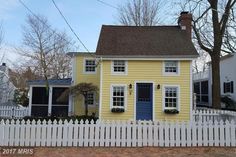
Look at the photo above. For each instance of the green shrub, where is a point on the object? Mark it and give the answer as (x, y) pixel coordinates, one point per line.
(230, 103)
(171, 111)
(52, 118)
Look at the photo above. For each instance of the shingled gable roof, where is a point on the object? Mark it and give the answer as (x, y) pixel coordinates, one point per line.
(148, 41)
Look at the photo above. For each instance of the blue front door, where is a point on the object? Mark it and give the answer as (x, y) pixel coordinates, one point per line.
(144, 101)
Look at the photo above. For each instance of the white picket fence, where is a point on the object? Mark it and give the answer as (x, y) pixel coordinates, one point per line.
(117, 133)
(13, 112)
(212, 114)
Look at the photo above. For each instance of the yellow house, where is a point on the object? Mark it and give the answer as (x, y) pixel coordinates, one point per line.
(143, 72)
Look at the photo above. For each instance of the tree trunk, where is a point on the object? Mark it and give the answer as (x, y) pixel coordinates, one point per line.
(86, 104)
(215, 57)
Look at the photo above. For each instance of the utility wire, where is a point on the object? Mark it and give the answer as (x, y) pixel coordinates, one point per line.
(72, 30)
(36, 16)
(107, 4)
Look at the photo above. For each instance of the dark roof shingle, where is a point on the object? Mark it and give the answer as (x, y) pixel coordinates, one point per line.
(144, 41)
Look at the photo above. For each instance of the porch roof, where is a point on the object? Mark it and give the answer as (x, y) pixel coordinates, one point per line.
(66, 81)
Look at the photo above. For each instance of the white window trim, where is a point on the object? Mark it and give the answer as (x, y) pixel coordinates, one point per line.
(84, 66)
(94, 101)
(125, 95)
(119, 73)
(178, 96)
(170, 73)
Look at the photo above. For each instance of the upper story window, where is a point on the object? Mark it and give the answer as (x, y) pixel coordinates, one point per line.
(171, 67)
(119, 67)
(229, 87)
(171, 97)
(90, 66)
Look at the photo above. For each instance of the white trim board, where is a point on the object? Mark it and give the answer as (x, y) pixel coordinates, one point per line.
(191, 92)
(136, 58)
(100, 92)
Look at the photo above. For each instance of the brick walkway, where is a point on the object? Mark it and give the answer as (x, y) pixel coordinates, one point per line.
(133, 152)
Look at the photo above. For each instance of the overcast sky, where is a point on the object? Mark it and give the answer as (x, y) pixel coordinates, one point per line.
(85, 16)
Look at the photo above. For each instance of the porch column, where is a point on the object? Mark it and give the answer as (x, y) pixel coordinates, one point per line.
(30, 100)
(50, 101)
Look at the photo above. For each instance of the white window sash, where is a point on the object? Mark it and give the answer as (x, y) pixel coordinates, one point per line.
(177, 97)
(171, 66)
(112, 96)
(89, 66)
(113, 72)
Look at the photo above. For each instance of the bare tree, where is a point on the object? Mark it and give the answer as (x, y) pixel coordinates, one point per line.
(211, 25)
(20, 75)
(139, 12)
(45, 48)
(201, 63)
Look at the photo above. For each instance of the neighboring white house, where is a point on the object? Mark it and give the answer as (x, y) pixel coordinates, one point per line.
(7, 88)
(203, 81)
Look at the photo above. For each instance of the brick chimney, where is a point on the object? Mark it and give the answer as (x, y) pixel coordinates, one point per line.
(185, 22)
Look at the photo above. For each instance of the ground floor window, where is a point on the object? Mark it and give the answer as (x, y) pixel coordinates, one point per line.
(202, 94)
(90, 100)
(118, 96)
(171, 97)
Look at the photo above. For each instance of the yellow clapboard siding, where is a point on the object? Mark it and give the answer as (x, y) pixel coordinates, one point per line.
(79, 108)
(146, 71)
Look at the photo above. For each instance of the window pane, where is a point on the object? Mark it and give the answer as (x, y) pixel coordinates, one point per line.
(197, 87)
(204, 87)
(144, 92)
(60, 111)
(204, 99)
(39, 111)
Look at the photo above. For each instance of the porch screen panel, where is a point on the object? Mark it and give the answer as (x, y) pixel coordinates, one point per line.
(39, 102)
(204, 91)
(60, 101)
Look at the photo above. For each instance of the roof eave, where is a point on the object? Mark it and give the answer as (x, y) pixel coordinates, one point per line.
(149, 56)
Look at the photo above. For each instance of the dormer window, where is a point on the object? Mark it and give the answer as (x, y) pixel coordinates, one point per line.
(171, 67)
(119, 67)
(90, 66)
